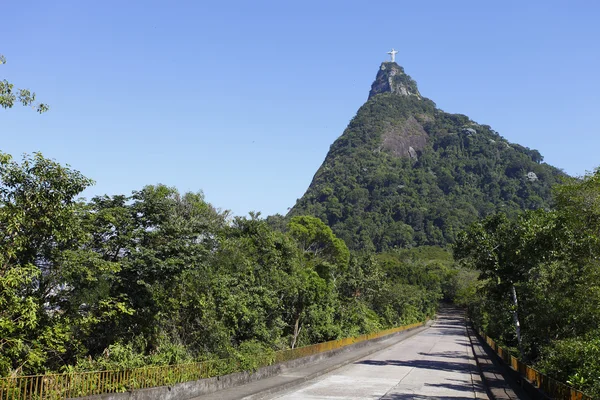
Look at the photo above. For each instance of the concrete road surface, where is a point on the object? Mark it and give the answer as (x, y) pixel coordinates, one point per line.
(437, 363)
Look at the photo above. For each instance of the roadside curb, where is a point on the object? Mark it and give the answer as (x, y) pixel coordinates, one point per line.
(493, 379)
(478, 385)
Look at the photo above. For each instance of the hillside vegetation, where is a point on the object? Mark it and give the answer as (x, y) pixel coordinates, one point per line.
(405, 173)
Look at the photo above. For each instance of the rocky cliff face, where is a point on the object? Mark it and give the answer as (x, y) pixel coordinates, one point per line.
(405, 139)
(392, 78)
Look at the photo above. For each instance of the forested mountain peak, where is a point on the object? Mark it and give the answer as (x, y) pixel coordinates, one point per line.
(392, 78)
(405, 173)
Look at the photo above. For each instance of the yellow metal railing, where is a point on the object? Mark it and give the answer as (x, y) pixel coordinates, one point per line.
(551, 387)
(79, 384)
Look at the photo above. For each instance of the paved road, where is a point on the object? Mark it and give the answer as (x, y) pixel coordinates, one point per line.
(435, 364)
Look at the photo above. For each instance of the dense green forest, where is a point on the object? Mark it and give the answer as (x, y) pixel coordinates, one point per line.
(160, 277)
(405, 173)
(540, 282)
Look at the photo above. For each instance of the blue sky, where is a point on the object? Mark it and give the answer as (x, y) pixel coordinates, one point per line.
(242, 99)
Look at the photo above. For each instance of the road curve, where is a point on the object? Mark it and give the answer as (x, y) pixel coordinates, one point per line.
(437, 363)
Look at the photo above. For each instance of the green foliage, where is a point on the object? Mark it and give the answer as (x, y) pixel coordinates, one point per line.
(462, 287)
(161, 277)
(121, 355)
(44, 266)
(375, 197)
(9, 95)
(551, 258)
(411, 289)
(496, 246)
(116, 356)
(575, 361)
(18, 316)
(328, 254)
(253, 354)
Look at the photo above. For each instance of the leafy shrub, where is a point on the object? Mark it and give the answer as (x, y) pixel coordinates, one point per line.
(252, 355)
(575, 361)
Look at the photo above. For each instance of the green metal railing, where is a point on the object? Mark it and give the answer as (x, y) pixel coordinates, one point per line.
(551, 387)
(79, 384)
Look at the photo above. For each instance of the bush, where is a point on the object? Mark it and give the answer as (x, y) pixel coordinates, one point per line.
(252, 355)
(575, 361)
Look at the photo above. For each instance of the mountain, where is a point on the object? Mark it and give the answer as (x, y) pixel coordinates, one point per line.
(405, 173)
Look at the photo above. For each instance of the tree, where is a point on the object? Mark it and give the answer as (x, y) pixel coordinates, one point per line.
(496, 247)
(325, 259)
(43, 267)
(550, 259)
(578, 206)
(9, 95)
(156, 235)
(328, 253)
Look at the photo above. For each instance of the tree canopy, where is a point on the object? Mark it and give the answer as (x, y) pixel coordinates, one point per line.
(159, 277)
(550, 258)
(9, 95)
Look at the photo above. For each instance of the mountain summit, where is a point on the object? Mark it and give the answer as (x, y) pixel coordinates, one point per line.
(405, 173)
(392, 78)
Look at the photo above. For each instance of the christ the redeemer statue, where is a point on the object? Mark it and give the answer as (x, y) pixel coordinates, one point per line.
(393, 54)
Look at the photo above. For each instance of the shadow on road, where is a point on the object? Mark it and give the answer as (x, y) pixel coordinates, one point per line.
(448, 331)
(423, 364)
(461, 386)
(446, 354)
(411, 396)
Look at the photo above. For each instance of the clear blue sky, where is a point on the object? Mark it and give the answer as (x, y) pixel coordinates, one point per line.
(242, 99)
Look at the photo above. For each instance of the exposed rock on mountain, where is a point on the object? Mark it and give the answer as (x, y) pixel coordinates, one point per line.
(391, 78)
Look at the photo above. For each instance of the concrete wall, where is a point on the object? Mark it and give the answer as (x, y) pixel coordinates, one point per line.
(188, 390)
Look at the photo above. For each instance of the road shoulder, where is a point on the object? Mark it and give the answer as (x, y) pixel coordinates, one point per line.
(499, 386)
